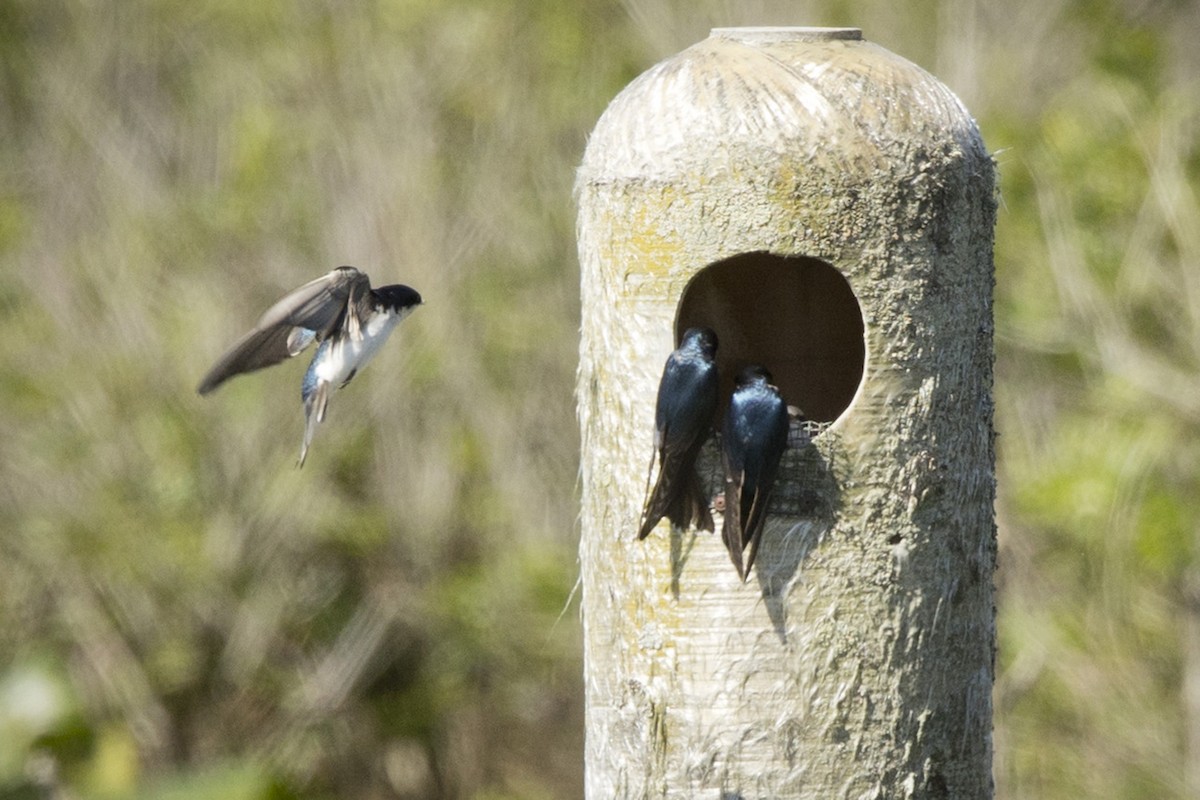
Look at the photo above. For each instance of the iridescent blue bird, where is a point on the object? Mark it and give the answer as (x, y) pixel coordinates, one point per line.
(753, 439)
(687, 400)
(341, 311)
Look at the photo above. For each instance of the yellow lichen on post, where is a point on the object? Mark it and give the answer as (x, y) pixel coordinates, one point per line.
(827, 207)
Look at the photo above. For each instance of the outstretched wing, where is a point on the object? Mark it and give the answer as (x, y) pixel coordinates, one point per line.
(318, 305)
(289, 326)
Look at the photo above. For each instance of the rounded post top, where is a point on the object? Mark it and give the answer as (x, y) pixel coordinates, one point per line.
(769, 35)
(749, 99)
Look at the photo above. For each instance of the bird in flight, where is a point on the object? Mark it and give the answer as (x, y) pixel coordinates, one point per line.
(341, 312)
(687, 399)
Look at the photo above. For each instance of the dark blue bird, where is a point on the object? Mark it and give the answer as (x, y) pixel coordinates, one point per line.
(687, 400)
(341, 311)
(752, 442)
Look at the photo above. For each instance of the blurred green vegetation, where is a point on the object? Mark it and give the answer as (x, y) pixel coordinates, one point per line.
(185, 615)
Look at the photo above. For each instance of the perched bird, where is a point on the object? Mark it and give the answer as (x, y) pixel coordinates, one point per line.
(341, 311)
(687, 399)
(753, 440)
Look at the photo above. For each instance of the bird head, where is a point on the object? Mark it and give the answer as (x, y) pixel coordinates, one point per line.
(398, 298)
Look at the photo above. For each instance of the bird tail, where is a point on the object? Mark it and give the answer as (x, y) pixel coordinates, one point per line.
(684, 504)
(692, 506)
(656, 509)
(315, 403)
(649, 517)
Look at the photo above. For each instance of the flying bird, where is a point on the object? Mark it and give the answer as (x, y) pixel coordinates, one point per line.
(687, 399)
(340, 311)
(752, 442)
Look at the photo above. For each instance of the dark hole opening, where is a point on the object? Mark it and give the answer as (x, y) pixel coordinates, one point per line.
(795, 315)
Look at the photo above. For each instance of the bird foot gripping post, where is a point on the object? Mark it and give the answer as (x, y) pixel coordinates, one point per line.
(825, 209)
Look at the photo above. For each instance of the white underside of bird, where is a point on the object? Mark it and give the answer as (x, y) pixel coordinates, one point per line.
(337, 361)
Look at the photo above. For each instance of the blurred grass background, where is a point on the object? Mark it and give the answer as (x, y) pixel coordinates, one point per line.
(185, 615)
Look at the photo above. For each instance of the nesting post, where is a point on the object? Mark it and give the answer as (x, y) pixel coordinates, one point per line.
(827, 208)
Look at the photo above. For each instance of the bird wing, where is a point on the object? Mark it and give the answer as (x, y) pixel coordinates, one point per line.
(286, 328)
(687, 397)
(731, 530)
(320, 304)
(773, 443)
(756, 514)
(754, 438)
(257, 349)
(686, 401)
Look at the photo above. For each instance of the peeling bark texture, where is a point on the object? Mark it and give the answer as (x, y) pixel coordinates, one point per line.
(857, 661)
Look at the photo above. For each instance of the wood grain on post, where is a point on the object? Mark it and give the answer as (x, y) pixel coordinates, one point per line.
(827, 207)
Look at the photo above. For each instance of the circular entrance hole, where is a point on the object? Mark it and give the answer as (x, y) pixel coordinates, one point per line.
(795, 315)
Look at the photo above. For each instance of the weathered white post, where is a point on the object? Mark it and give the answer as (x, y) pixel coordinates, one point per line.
(827, 207)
